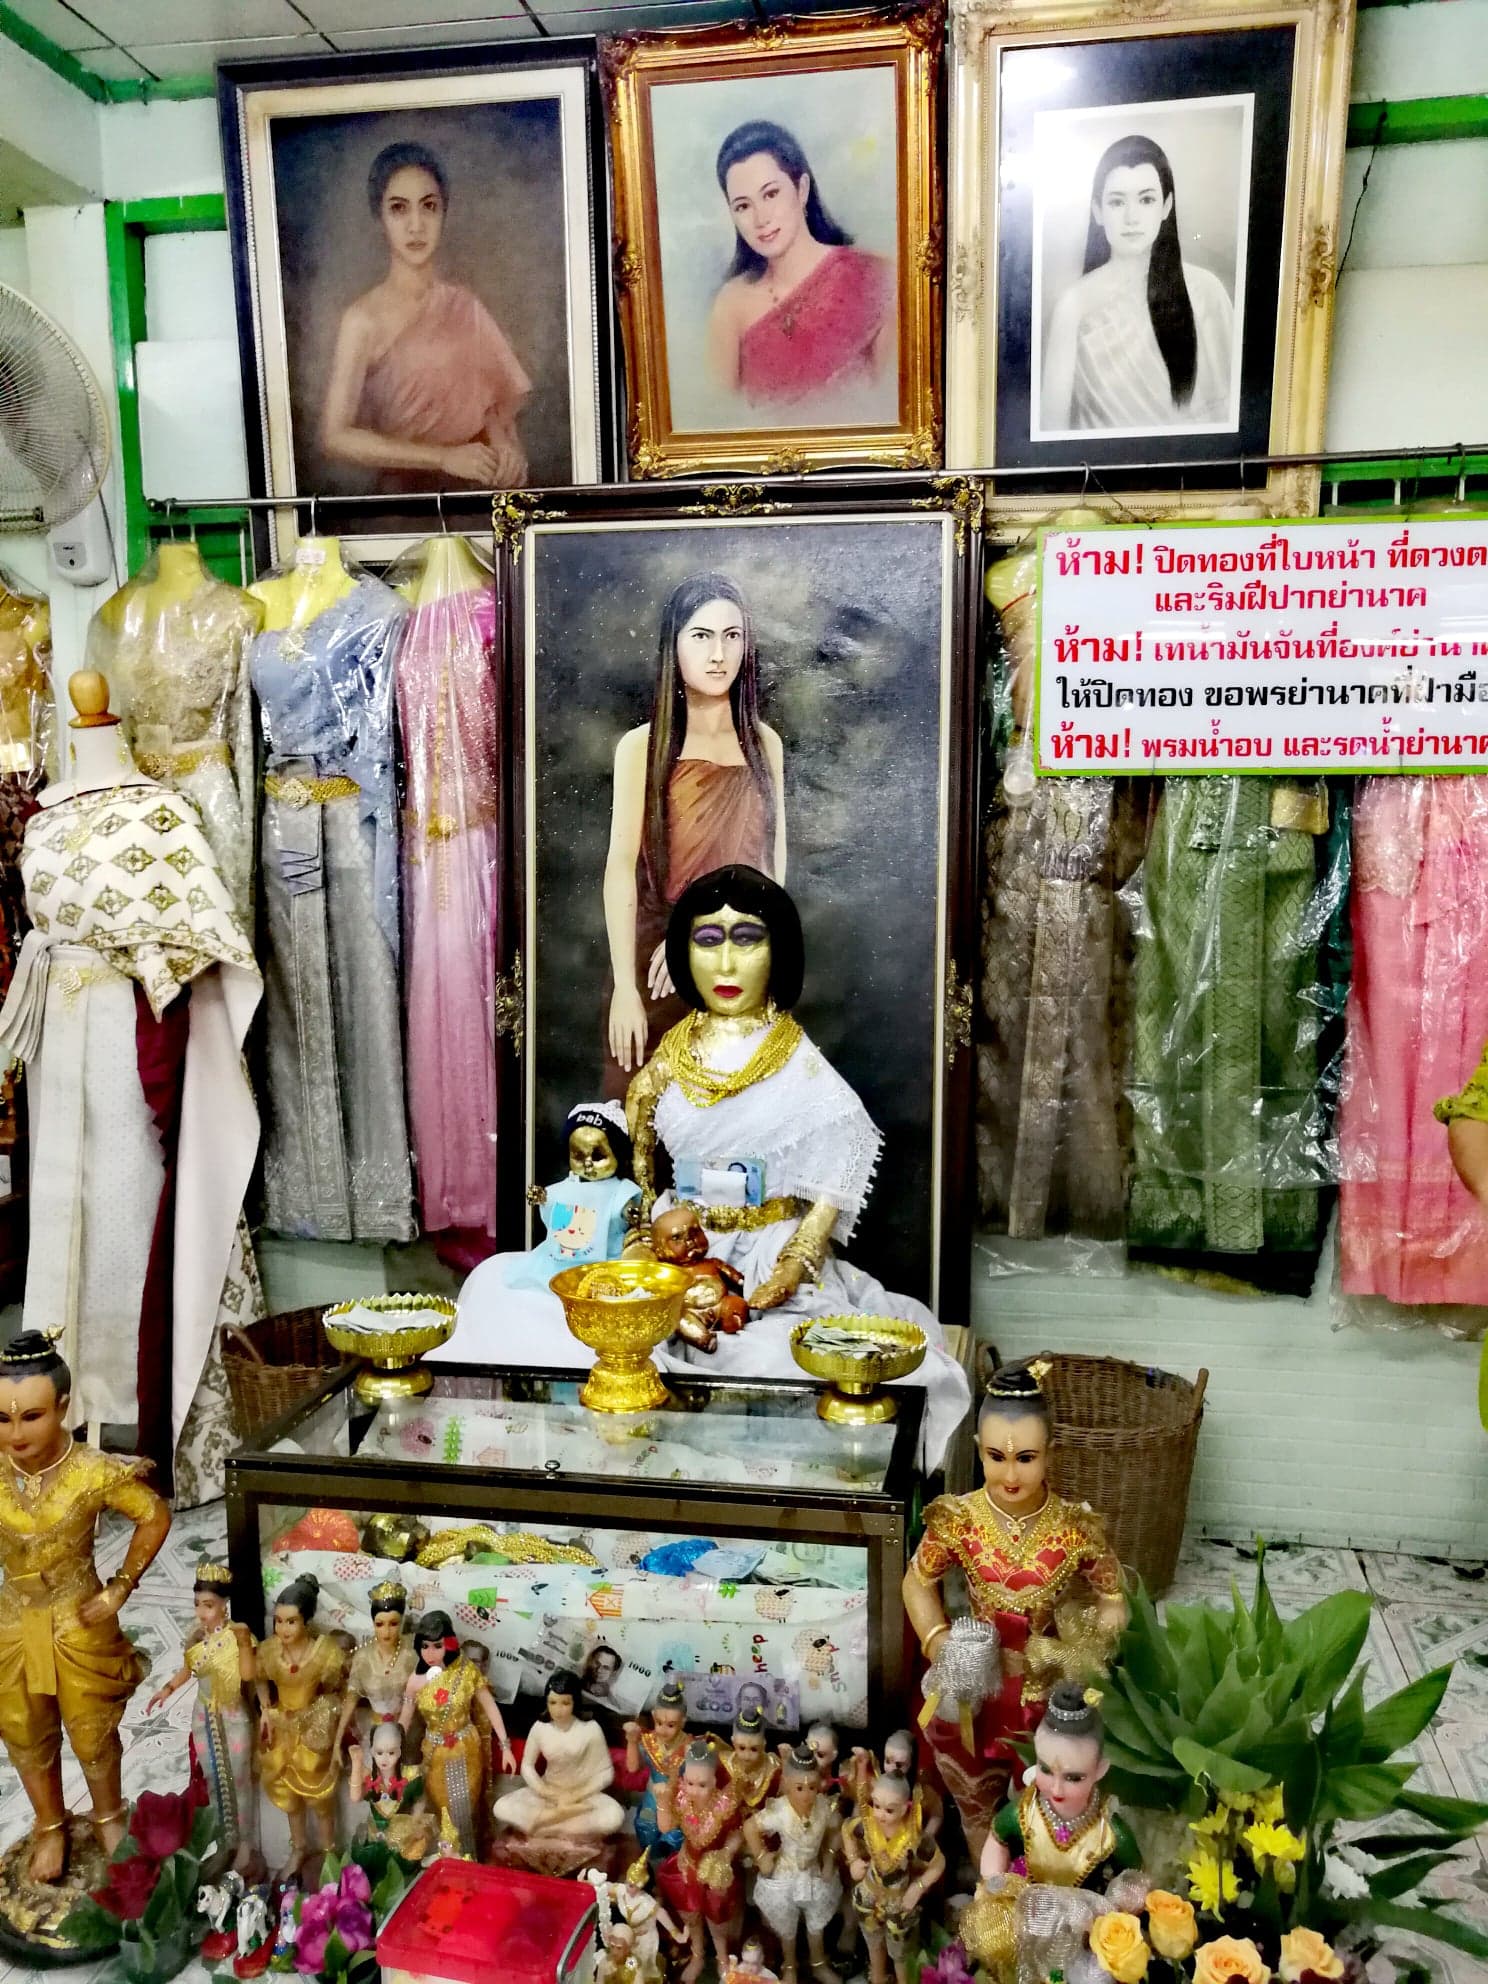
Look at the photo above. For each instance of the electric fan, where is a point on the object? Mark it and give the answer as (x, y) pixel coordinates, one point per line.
(54, 440)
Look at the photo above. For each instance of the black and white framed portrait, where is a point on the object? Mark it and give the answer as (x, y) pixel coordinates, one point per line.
(1143, 232)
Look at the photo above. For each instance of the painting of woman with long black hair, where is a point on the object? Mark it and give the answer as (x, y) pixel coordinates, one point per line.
(698, 786)
(1145, 338)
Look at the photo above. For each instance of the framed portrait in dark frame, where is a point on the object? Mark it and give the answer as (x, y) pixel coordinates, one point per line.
(422, 304)
(854, 615)
(1144, 225)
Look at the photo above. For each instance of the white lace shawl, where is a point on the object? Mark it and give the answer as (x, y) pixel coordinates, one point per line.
(804, 1124)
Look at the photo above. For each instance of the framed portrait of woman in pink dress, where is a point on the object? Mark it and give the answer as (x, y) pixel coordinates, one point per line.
(775, 199)
(406, 323)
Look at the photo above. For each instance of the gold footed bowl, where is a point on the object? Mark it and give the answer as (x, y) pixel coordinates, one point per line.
(622, 1310)
(390, 1333)
(852, 1397)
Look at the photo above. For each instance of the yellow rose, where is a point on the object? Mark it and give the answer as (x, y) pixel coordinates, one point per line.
(1171, 1928)
(1304, 1949)
(1230, 1957)
(1120, 1948)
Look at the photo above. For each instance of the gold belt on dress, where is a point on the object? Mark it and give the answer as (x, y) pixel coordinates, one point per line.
(296, 791)
(183, 759)
(749, 1219)
(38, 1590)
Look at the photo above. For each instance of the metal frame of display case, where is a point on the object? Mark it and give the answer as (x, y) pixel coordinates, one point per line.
(880, 1520)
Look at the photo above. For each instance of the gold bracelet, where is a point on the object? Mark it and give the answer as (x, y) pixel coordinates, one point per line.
(931, 1637)
(123, 1578)
(810, 1264)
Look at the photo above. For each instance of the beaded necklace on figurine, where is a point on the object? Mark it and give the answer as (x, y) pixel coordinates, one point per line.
(702, 1085)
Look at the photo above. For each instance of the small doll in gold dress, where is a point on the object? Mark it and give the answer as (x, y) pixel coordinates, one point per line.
(893, 1865)
(64, 1663)
(379, 1669)
(1062, 1832)
(298, 1759)
(221, 1658)
(753, 1774)
(446, 1689)
(397, 1811)
(1037, 1568)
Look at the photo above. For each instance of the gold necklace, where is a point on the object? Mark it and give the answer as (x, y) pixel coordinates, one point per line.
(702, 1085)
(1016, 1526)
(31, 1487)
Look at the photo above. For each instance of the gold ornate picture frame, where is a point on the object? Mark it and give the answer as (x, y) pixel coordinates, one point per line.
(1202, 139)
(740, 159)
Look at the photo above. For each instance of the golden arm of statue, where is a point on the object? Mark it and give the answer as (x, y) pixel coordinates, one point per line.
(800, 1258)
(641, 1098)
(925, 1610)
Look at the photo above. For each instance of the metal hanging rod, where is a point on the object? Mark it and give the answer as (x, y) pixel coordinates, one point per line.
(1095, 476)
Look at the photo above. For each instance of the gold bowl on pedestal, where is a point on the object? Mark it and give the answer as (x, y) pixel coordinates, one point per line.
(852, 1397)
(622, 1310)
(390, 1333)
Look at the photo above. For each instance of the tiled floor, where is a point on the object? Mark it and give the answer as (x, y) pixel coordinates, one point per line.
(1426, 1613)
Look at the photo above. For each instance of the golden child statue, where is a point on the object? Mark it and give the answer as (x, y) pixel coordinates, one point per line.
(64, 1663)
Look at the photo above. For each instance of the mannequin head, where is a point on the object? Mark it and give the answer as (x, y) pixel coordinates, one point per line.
(678, 1236)
(669, 1712)
(734, 944)
(749, 1737)
(821, 1741)
(889, 1801)
(35, 1387)
(598, 1144)
(1068, 1748)
(212, 1592)
(1013, 1441)
(435, 1641)
(386, 1746)
(389, 1604)
(294, 1610)
(800, 1781)
(699, 1772)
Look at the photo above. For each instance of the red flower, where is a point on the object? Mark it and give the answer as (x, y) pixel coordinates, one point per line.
(130, 1884)
(161, 1822)
(441, 1695)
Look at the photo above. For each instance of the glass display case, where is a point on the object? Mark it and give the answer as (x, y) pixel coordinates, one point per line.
(732, 1539)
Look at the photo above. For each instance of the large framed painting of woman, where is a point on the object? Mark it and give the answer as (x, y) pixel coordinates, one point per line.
(773, 675)
(1144, 226)
(777, 221)
(420, 304)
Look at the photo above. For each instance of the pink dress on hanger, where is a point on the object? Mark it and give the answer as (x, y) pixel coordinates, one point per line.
(1417, 1017)
(447, 708)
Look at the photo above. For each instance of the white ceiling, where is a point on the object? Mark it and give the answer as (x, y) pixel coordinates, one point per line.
(151, 40)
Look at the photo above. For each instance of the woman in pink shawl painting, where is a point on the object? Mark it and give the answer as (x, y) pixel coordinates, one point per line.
(424, 386)
(802, 314)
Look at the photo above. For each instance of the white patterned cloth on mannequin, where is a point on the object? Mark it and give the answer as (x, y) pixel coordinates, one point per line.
(121, 885)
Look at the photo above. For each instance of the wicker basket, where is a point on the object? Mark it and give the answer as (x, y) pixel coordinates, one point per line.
(271, 1365)
(1124, 1442)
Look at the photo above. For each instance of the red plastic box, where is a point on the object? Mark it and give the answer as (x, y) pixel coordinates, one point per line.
(463, 1924)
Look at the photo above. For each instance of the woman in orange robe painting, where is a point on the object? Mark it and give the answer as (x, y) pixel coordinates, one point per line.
(699, 786)
(802, 313)
(424, 386)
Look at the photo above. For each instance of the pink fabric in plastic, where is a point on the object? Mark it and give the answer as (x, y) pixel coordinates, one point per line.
(1417, 1018)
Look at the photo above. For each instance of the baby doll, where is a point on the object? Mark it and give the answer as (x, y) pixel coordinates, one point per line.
(585, 1213)
(397, 1813)
(893, 1866)
(748, 1967)
(716, 1299)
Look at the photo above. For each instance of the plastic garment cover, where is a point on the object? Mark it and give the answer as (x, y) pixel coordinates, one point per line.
(26, 738)
(336, 1164)
(1053, 1127)
(1233, 1074)
(1409, 1230)
(446, 692)
(172, 642)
